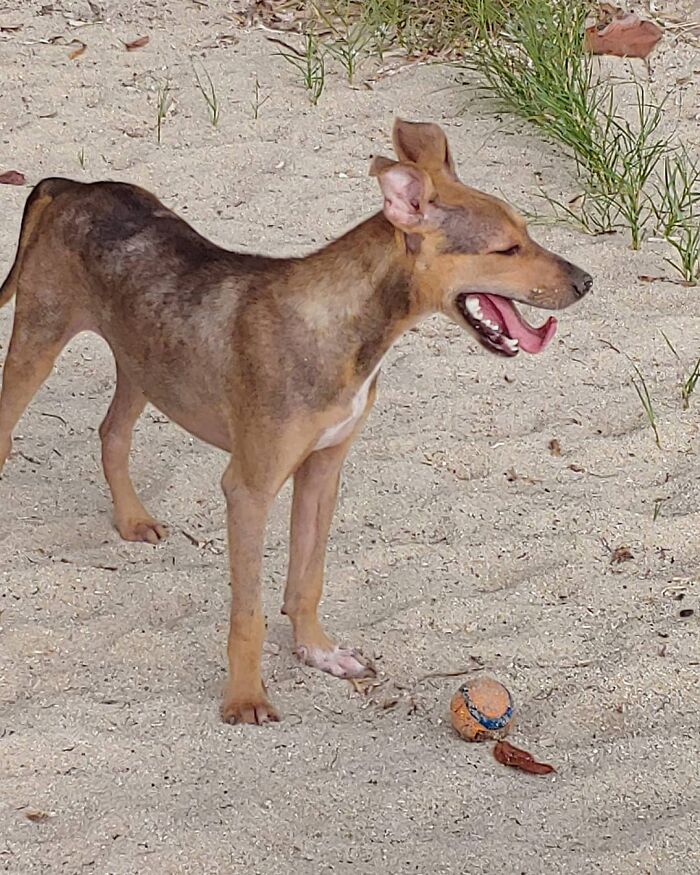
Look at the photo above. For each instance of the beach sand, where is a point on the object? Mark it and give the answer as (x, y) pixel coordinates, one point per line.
(462, 542)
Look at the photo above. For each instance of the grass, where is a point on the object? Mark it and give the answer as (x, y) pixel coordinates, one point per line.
(82, 160)
(642, 390)
(418, 28)
(163, 103)
(616, 174)
(350, 36)
(208, 92)
(530, 57)
(530, 54)
(677, 191)
(685, 240)
(259, 99)
(690, 383)
(677, 212)
(310, 63)
(658, 504)
(690, 380)
(628, 157)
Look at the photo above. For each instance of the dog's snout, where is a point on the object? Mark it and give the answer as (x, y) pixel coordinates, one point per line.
(583, 283)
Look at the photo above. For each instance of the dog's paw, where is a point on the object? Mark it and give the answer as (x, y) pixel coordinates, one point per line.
(253, 711)
(341, 662)
(147, 530)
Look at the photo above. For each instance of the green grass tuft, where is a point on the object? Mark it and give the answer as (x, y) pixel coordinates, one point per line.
(310, 63)
(208, 92)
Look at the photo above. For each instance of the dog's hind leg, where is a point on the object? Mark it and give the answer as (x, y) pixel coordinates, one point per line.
(43, 321)
(35, 345)
(132, 520)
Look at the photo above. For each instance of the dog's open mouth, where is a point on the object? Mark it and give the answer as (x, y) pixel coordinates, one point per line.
(500, 326)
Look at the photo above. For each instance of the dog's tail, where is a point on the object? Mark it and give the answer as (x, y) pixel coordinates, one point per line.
(42, 195)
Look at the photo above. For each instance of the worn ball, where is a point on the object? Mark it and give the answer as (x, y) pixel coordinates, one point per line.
(482, 710)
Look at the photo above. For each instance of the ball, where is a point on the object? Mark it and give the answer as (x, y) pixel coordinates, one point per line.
(482, 710)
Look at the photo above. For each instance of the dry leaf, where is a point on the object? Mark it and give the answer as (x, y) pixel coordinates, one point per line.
(554, 447)
(36, 815)
(137, 43)
(623, 34)
(76, 53)
(12, 177)
(621, 554)
(512, 756)
(577, 468)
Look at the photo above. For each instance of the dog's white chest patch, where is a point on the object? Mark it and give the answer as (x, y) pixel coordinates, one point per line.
(336, 434)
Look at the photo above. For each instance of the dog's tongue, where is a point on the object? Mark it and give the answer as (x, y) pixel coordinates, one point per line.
(530, 339)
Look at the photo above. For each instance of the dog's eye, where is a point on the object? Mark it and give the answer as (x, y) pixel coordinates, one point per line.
(513, 250)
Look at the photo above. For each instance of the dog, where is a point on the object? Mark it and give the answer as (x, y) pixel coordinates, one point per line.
(274, 360)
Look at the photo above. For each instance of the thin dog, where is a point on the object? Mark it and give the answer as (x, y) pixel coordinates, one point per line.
(274, 360)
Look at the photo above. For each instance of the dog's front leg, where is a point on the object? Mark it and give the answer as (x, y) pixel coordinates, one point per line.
(315, 493)
(247, 509)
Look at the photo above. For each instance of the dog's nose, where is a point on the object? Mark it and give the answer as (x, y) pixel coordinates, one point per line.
(583, 283)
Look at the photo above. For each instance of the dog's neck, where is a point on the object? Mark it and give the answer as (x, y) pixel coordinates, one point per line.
(361, 289)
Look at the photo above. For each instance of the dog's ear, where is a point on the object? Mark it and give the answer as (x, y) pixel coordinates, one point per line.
(380, 163)
(425, 144)
(407, 191)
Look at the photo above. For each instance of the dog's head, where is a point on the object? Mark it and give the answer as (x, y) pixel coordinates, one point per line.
(473, 254)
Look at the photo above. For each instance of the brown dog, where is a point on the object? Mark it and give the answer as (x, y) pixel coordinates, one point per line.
(273, 360)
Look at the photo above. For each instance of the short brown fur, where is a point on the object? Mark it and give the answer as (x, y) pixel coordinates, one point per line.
(259, 356)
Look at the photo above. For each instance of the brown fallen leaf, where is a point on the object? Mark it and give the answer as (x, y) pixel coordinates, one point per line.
(621, 554)
(554, 447)
(622, 34)
(12, 177)
(36, 815)
(77, 52)
(509, 755)
(137, 43)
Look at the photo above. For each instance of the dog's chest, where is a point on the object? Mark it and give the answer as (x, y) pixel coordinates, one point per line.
(337, 433)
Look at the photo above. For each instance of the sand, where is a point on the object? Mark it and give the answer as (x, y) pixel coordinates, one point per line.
(462, 542)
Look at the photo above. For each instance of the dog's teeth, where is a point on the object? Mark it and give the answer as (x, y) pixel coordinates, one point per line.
(491, 326)
(511, 343)
(474, 308)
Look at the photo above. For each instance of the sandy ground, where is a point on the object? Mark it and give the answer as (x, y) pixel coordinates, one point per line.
(461, 542)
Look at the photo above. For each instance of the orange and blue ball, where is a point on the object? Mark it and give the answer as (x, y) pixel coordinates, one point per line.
(482, 710)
